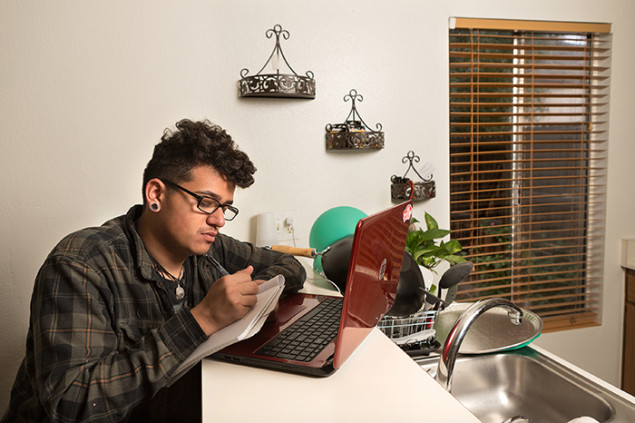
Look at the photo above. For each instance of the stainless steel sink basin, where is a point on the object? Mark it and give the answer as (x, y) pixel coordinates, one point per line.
(524, 382)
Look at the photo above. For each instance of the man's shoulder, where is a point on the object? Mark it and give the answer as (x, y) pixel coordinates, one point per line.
(94, 240)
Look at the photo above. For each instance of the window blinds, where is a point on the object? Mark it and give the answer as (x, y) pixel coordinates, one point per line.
(528, 149)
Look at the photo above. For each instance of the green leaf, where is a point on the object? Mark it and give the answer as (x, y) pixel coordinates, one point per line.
(434, 234)
(430, 222)
(427, 251)
(453, 246)
(452, 259)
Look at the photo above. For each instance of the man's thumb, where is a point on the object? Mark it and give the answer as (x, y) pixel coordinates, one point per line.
(247, 270)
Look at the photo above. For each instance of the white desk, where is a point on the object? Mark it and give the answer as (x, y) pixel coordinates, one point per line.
(378, 383)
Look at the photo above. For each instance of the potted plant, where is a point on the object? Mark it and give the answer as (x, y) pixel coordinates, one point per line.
(428, 248)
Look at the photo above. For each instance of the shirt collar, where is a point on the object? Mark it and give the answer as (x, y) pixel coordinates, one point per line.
(143, 261)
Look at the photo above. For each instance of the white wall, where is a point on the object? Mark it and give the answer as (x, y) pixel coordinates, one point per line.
(87, 87)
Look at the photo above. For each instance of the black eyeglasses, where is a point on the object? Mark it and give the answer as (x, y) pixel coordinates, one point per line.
(207, 204)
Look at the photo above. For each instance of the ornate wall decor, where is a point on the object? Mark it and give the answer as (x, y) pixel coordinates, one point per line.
(403, 188)
(289, 85)
(353, 134)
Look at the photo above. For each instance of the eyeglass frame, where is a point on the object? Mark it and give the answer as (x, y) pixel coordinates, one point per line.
(200, 198)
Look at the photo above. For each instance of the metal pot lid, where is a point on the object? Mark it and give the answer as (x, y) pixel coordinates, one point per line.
(491, 332)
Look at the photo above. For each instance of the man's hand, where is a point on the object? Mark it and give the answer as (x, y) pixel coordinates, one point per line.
(228, 300)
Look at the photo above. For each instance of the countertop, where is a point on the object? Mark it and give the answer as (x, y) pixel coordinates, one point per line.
(378, 383)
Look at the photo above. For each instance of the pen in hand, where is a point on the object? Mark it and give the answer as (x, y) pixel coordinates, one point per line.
(218, 266)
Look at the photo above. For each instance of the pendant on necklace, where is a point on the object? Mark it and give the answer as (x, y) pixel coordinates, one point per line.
(180, 292)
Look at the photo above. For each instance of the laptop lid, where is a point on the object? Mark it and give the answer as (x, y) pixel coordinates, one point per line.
(375, 266)
(370, 291)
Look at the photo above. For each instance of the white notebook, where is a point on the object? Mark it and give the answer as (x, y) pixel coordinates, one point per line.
(244, 328)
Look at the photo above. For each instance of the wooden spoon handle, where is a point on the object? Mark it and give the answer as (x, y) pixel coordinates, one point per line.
(305, 252)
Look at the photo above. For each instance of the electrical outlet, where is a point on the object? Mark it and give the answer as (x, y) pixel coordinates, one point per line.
(285, 227)
(277, 228)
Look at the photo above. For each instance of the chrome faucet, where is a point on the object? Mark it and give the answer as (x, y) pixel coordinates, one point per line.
(458, 332)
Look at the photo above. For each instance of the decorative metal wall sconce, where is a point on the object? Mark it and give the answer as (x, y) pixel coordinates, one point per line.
(277, 84)
(353, 133)
(403, 188)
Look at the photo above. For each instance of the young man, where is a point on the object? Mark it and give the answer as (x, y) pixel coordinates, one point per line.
(117, 308)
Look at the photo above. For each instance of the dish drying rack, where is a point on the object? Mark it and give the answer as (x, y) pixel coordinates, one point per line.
(415, 333)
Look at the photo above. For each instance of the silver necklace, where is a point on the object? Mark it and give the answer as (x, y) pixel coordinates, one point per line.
(179, 292)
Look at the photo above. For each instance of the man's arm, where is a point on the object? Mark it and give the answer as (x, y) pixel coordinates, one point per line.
(87, 365)
(235, 255)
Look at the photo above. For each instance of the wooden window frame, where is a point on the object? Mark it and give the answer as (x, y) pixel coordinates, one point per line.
(528, 150)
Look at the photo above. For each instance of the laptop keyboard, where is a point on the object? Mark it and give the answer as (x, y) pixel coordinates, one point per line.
(306, 337)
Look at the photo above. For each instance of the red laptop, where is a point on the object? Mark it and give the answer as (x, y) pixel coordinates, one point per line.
(336, 325)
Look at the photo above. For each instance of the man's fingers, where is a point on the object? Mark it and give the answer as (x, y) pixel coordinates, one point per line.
(249, 288)
(249, 301)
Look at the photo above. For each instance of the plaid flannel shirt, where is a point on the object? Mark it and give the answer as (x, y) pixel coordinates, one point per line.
(103, 335)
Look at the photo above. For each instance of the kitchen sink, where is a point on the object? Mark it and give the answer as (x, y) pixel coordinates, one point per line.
(524, 382)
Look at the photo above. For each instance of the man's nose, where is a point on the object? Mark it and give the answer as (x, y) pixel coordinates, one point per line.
(217, 218)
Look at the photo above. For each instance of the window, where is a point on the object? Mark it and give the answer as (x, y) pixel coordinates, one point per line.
(528, 149)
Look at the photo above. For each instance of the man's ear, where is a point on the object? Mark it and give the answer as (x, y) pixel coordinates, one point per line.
(154, 193)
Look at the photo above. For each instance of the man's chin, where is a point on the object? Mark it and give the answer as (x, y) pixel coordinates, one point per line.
(202, 248)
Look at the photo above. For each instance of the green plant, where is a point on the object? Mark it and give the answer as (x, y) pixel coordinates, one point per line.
(425, 249)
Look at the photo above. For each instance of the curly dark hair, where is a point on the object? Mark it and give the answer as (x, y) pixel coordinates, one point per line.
(194, 144)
